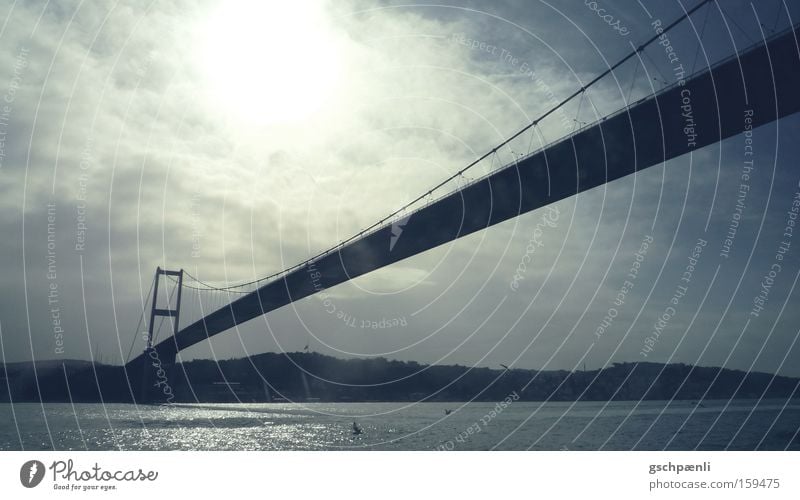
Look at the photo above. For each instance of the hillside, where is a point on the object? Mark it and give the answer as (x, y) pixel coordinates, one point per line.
(315, 377)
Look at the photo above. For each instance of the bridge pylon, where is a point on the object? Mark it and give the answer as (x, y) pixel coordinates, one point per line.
(157, 364)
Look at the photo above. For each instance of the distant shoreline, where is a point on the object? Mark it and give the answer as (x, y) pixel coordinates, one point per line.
(303, 377)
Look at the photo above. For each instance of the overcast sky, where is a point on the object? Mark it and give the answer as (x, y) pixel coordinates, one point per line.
(234, 141)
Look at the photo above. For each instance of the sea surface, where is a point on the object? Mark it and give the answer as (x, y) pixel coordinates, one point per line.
(646, 425)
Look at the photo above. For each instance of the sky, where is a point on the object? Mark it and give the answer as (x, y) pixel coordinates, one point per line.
(234, 140)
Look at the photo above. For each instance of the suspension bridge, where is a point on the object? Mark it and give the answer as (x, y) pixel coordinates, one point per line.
(759, 83)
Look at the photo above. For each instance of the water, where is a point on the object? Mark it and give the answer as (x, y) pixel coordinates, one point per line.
(650, 425)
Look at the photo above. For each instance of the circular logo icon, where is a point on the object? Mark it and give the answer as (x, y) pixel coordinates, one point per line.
(31, 473)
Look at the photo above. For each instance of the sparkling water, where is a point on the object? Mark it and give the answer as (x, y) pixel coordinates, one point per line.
(624, 425)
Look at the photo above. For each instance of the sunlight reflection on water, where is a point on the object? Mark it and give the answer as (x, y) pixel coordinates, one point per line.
(652, 425)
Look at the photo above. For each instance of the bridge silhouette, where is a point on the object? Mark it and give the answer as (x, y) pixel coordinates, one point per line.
(761, 82)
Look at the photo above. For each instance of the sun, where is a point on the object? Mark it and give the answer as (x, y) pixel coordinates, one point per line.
(269, 62)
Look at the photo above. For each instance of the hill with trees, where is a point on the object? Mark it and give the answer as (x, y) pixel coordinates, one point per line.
(304, 376)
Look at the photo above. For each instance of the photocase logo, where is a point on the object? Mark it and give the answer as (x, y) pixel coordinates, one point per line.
(31, 473)
(397, 230)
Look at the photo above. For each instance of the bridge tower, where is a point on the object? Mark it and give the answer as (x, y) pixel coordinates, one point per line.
(156, 368)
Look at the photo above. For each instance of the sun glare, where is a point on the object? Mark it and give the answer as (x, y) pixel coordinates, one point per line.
(269, 62)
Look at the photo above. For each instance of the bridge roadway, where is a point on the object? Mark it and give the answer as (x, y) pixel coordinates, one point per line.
(763, 81)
